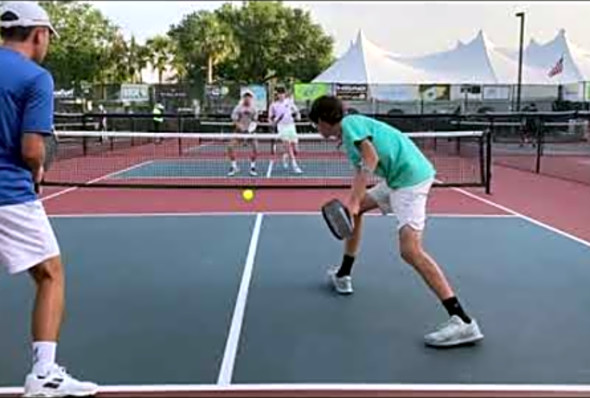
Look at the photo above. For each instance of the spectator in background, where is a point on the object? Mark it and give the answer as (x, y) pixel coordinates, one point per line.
(530, 126)
(158, 119)
(102, 122)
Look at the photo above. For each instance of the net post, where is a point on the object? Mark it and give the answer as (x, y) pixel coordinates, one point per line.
(489, 157)
(84, 146)
(540, 133)
(482, 164)
(179, 129)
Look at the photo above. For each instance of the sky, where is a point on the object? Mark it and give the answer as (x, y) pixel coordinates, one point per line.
(410, 27)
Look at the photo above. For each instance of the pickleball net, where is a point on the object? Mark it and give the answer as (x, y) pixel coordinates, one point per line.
(200, 160)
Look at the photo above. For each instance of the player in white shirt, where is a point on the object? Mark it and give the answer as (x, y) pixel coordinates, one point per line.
(243, 115)
(281, 114)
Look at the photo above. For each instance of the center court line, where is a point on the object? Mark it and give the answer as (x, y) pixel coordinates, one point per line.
(524, 217)
(104, 177)
(233, 338)
(269, 170)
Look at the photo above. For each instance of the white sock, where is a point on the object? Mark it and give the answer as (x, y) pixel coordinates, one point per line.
(252, 165)
(43, 355)
(234, 164)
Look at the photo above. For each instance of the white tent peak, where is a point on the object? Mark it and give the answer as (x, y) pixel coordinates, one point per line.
(367, 63)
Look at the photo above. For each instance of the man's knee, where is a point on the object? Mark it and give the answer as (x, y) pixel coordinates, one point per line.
(49, 270)
(410, 245)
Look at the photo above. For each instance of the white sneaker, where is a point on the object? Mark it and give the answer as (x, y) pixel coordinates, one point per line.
(233, 171)
(285, 161)
(253, 172)
(342, 285)
(57, 383)
(297, 170)
(454, 332)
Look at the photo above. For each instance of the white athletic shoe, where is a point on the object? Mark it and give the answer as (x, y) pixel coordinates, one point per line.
(297, 170)
(233, 171)
(57, 383)
(454, 332)
(342, 285)
(253, 172)
(285, 161)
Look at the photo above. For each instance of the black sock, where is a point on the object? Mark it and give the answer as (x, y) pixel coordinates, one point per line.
(453, 307)
(346, 266)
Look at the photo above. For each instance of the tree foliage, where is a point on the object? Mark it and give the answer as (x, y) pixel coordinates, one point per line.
(255, 42)
(85, 43)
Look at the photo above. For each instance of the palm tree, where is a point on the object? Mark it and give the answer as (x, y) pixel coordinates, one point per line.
(137, 58)
(217, 42)
(160, 54)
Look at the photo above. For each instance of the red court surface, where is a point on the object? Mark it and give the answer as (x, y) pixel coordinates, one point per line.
(558, 203)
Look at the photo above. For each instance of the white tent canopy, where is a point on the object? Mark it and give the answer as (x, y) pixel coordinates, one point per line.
(366, 63)
(478, 61)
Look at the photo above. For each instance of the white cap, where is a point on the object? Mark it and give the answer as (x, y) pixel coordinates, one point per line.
(28, 13)
(248, 92)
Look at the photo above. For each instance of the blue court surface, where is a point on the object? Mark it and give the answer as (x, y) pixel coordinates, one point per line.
(218, 168)
(207, 302)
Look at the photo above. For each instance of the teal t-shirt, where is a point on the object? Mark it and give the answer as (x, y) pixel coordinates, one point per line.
(401, 163)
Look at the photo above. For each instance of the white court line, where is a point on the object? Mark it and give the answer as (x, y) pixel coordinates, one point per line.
(233, 339)
(269, 213)
(527, 218)
(522, 388)
(104, 177)
(269, 170)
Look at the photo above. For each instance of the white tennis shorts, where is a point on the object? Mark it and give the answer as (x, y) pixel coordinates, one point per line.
(26, 237)
(287, 133)
(408, 204)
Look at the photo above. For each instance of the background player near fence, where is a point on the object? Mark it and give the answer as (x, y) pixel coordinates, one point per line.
(243, 115)
(375, 147)
(27, 240)
(281, 114)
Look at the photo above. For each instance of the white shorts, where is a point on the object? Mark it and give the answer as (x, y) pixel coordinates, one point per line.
(26, 237)
(287, 133)
(408, 204)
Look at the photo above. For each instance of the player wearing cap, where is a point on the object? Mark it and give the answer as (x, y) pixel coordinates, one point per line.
(281, 116)
(27, 240)
(376, 147)
(243, 115)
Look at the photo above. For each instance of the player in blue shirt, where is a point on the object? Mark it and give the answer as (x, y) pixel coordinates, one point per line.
(27, 241)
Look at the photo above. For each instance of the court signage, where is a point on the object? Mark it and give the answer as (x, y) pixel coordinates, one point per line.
(352, 92)
(135, 92)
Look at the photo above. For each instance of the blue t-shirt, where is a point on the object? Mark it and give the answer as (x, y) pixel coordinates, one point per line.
(26, 106)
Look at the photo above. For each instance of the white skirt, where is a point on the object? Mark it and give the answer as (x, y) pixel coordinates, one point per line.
(26, 237)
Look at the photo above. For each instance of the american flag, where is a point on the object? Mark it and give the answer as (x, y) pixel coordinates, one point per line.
(557, 69)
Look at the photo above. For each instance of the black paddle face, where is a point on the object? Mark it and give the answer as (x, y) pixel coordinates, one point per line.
(338, 219)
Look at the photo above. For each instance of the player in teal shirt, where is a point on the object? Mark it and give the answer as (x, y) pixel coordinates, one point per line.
(374, 147)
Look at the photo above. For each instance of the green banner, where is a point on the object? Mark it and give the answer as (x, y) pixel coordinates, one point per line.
(311, 91)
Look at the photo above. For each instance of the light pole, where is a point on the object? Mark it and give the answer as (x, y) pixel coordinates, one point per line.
(519, 84)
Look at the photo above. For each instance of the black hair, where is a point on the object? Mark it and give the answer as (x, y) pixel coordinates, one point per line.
(327, 108)
(281, 90)
(17, 33)
(248, 94)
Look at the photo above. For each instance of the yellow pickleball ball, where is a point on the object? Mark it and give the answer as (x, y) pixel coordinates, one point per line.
(248, 195)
